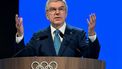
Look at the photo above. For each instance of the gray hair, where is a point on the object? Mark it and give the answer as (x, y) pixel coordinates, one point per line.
(48, 1)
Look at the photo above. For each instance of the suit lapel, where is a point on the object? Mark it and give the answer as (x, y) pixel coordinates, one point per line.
(66, 40)
(49, 42)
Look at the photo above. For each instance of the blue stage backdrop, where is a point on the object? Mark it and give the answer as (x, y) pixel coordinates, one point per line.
(108, 26)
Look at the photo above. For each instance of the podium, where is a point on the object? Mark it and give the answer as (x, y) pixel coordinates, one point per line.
(51, 63)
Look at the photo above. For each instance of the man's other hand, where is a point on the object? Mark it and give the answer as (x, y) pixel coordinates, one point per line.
(91, 24)
(19, 25)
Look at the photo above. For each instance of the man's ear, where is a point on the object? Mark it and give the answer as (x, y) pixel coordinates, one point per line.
(47, 15)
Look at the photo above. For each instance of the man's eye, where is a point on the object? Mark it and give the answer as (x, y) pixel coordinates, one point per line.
(52, 9)
(61, 9)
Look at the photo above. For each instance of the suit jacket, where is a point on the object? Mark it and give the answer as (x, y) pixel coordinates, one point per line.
(74, 44)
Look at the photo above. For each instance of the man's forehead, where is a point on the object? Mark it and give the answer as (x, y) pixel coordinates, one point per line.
(56, 4)
(56, 0)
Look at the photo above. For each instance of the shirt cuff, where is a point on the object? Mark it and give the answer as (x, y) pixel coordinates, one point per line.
(92, 38)
(18, 39)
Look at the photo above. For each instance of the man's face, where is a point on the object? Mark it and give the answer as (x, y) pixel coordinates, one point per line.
(56, 13)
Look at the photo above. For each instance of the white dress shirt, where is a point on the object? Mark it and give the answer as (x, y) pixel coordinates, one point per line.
(61, 29)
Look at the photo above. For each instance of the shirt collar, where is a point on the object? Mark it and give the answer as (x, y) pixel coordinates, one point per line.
(61, 29)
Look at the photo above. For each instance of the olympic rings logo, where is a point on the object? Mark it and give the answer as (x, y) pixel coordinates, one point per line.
(44, 65)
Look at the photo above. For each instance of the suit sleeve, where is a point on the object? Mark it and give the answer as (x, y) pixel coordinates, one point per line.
(28, 50)
(88, 49)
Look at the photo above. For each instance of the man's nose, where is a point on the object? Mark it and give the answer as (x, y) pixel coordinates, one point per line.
(57, 11)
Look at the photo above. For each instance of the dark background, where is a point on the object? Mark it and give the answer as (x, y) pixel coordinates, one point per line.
(8, 9)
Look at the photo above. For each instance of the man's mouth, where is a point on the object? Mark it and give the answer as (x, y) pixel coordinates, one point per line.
(57, 18)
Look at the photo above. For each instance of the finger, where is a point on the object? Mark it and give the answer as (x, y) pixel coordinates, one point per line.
(88, 22)
(94, 15)
(16, 17)
(92, 18)
(21, 21)
(17, 20)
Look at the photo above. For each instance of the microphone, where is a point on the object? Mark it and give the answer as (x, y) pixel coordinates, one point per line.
(17, 54)
(76, 49)
(61, 34)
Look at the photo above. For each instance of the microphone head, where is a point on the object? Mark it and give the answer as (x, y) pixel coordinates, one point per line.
(61, 34)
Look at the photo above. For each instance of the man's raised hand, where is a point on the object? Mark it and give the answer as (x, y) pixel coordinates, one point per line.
(19, 25)
(91, 24)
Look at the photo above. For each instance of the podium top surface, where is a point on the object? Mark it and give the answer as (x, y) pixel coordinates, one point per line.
(51, 63)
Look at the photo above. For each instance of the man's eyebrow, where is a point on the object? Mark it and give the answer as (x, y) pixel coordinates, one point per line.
(62, 6)
(59, 7)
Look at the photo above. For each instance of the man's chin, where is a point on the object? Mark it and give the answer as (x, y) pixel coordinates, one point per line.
(58, 22)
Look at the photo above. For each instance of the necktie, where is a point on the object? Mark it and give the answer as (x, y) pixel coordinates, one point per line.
(57, 41)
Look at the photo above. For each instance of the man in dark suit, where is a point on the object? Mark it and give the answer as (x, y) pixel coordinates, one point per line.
(59, 39)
